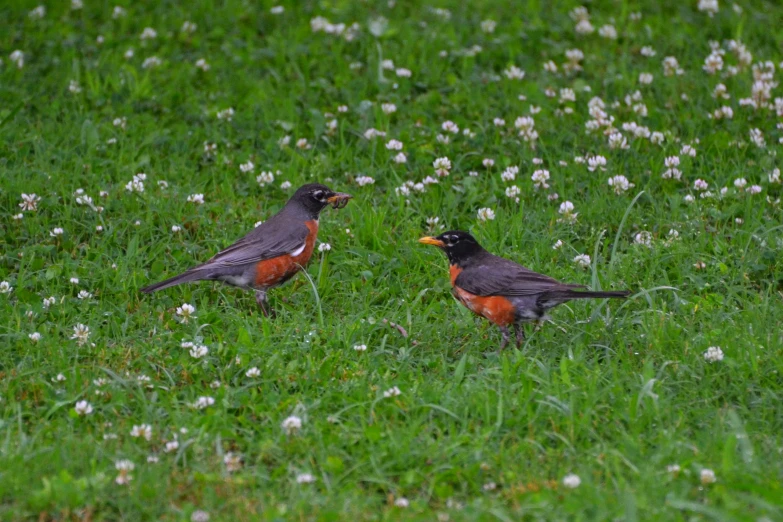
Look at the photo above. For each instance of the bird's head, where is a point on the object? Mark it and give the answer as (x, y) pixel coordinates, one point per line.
(315, 197)
(458, 245)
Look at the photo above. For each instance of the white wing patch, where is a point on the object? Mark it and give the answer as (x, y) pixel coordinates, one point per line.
(298, 250)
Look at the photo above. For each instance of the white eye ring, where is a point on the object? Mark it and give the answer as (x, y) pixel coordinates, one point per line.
(318, 194)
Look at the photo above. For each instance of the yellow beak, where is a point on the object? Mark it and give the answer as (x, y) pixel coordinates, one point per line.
(339, 200)
(429, 240)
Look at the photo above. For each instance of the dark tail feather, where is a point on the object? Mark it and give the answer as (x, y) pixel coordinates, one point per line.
(174, 281)
(573, 294)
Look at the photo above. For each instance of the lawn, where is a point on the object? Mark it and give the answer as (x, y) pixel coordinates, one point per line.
(621, 145)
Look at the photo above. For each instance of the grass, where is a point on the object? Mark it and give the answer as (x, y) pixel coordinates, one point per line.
(613, 392)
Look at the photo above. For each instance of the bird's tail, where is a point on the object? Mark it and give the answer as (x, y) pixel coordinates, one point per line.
(573, 294)
(174, 281)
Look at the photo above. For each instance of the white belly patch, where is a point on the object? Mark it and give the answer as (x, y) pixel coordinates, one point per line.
(298, 250)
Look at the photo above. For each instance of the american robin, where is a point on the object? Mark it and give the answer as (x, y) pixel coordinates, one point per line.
(501, 290)
(273, 252)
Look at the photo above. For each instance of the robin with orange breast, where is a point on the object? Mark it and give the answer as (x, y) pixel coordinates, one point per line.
(273, 252)
(501, 290)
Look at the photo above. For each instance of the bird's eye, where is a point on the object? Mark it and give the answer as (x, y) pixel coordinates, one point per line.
(319, 195)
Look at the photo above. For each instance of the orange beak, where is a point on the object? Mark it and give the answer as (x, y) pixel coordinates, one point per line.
(339, 200)
(429, 240)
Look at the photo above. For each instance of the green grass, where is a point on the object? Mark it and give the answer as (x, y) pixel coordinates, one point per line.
(611, 391)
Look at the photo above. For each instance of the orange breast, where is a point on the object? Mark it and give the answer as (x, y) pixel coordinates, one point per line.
(496, 308)
(278, 270)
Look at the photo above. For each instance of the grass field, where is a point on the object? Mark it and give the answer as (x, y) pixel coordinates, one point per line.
(666, 406)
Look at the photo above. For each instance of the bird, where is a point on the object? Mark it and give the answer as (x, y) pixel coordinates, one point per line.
(272, 253)
(500, 290)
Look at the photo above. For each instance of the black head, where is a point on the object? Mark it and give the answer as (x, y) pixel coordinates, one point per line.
(458, 245)
(314, 197)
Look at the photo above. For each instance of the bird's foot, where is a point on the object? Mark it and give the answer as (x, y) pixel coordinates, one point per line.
(264, 305)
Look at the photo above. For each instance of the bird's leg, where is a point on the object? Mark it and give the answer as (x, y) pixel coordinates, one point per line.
(520, 331)
(506, 337)
(263, 304)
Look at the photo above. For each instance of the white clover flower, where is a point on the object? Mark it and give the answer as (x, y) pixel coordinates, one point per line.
(199, 351)
(202, 64)
(188, 27)
(571, 481)
(151, 62)
(47, 301)
(740, 183)
(450, 126)
(84, 294)
(226, 114)
(486, 214)
(392, 392)
(74, 280)
(83, 408)
(73, 87)
(247, 166)
(34, 337)
(514, 73)
(713, 354)
(400, 158)
(388, 108)
(276, 10)
(29, 202)
(708, 6)
(303, 144)
(510, 173)
(566, 209)
(540, 178)
(442, 166)
(324, 247)
(757, 137)
(373, 133)
(499, 122)
(149, 33)
(647, 51)
(265, 178)
(121, 123)
(394, 145)
(57, 231)
(124, 467)
(618, 141)
(488, 162)
(142, 430)
(186, 312)
(81, 333)
(305, 478)
(700, 185)
(403, 73)
(172, 445)
(176, 228)
(488, 26)
(291, 424)
(707, 476)
(360, 347)
(198, 199)
(584, 27)
(285, 185)
(402, 502)
(37, 13)
(713, 63)
(643, 238)
(202, 403)
(673, 468)
(596, 162)
(656, 138)
(608, 31)
(620, 184)
(253, 372)
(645, 78)
(583, 260)
(774, 176)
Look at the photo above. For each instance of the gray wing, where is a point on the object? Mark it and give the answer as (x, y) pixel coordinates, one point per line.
(270, 239)
(499, 276)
